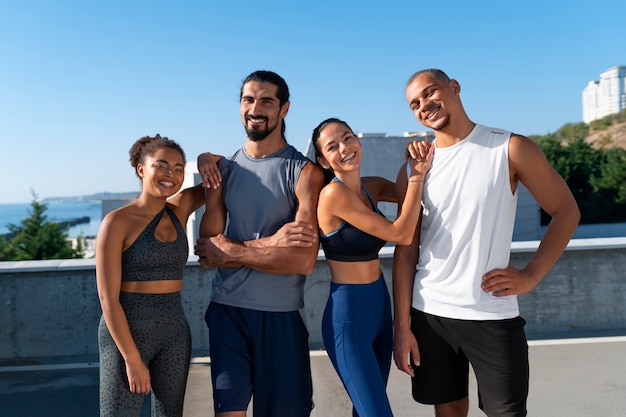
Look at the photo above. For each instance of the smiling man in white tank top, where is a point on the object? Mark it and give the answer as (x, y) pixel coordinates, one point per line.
(455, 294)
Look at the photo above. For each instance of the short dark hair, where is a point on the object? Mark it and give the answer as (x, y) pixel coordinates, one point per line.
(435, 72)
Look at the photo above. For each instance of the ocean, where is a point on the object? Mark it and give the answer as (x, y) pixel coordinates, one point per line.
(58, 211)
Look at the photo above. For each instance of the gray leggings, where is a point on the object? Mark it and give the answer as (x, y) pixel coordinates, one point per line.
(161, 332)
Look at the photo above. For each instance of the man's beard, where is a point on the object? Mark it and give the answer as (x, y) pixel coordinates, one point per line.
(257, 134)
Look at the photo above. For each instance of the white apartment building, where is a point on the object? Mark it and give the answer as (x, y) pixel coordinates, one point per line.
(605, 97)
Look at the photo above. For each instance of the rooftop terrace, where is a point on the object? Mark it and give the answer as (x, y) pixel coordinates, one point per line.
(576, 324)
(569, 378)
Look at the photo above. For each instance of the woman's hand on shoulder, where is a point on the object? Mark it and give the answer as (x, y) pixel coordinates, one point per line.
(421, 161)
(209, 169)
(417, 149)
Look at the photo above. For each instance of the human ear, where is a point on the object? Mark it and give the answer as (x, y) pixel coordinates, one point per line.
(456, 87)
(284, 109)
(323, 162)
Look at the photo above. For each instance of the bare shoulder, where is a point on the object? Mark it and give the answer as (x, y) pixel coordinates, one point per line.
(525, 155)
(333, 191)
(520, 145)
(118, 223)
(307, 190)
(311, 177)
(311, 169)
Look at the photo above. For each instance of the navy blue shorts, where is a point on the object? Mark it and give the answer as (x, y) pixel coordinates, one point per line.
(497, 350)
(259, 355)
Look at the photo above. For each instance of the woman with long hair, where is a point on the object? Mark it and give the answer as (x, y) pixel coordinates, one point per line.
(357, 325)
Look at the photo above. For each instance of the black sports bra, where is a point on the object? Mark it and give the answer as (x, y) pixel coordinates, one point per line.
(349, 244)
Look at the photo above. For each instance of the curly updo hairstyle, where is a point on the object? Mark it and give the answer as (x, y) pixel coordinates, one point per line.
(147, 146)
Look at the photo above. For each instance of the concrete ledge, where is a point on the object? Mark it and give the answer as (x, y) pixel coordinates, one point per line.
(51, 309)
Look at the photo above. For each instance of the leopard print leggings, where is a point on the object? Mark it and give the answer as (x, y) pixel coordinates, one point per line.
(161, 332)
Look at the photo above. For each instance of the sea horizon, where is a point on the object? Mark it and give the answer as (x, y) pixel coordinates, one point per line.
(65, 208)
(59, 210)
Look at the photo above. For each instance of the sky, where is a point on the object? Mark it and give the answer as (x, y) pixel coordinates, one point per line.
(80, 81)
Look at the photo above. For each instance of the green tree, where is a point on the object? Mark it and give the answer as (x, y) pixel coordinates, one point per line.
(595, 176)
(37, 238)
(609, 184)
(576, 162)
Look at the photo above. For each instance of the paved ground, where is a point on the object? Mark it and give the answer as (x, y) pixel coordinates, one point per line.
(569, 378)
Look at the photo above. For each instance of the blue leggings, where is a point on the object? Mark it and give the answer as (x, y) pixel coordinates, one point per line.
(358, 335)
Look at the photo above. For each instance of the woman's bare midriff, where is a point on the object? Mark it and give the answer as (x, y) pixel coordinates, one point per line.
(364, 272)
(153, 287)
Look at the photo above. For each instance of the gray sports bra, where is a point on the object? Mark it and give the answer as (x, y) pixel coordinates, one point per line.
(149, 259)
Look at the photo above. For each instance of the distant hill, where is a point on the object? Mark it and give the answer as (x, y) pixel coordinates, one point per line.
(94, 197)
(614, 136)
(606, 133)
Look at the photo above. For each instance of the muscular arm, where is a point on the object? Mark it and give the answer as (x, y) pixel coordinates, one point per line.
(213, 220)
(403, 275)
(529, 166)
(187, 201)
(381, 189)
(293, 249)
(336, 202)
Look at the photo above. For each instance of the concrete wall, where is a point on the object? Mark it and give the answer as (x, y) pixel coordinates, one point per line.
(51, 309)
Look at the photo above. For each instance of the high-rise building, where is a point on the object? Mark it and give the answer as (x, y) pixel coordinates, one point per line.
(605, 97)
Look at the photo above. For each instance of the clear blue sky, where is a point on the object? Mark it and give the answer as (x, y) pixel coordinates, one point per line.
(80, 81)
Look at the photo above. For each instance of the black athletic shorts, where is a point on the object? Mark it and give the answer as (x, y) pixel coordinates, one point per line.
(496, 349)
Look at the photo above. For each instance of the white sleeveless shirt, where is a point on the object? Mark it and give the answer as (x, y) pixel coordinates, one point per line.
(467, 228)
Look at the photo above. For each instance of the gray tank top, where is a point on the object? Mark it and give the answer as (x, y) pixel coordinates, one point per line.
(149, 259)
(260, 197)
